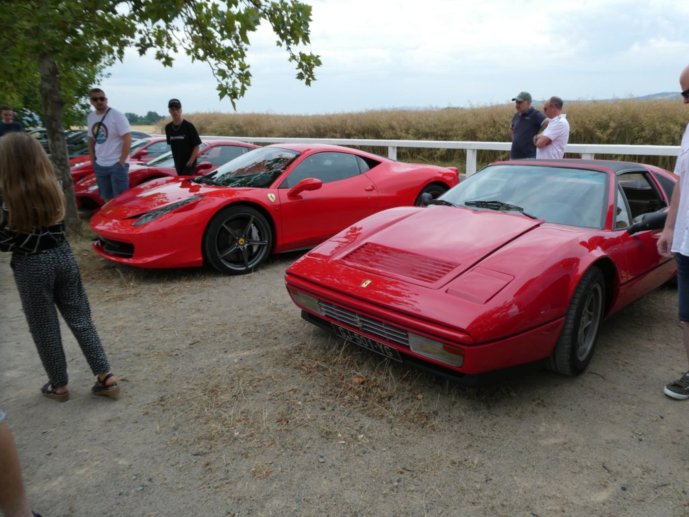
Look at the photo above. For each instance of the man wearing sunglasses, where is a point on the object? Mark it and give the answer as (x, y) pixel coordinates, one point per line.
(109, 142)
(675, 240)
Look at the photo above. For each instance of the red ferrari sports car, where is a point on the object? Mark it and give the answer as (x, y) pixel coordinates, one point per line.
(270, 200)
(141, 151)
(214, 153)
(518, 263)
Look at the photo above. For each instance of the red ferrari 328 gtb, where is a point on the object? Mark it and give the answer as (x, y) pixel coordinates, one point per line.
(518, 263)
(270, 200)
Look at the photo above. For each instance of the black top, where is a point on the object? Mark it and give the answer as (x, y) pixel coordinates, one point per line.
(40, 239)
(182, 139)
(524, 128)
(8, 128)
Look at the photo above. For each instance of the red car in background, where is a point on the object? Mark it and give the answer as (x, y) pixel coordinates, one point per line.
(214, 153)
(273, 199)
(519, 263)
(141, 151)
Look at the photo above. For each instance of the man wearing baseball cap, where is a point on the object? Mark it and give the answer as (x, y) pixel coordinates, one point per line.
(183, 140)
(526, 123)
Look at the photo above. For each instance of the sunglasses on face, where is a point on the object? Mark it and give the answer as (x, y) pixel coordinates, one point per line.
(96, 99)
(685, 94)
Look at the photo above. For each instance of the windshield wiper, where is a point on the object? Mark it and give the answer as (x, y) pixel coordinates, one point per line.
(207, 180)
(440, 202)
(498, 205)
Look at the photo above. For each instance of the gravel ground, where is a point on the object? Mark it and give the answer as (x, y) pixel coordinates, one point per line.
(233, 405)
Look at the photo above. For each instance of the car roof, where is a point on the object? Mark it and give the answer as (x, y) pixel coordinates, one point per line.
(302, 147)
(615, 166)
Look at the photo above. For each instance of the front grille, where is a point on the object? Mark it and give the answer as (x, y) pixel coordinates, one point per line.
(401, 262)
(368, 325)
(120, 249)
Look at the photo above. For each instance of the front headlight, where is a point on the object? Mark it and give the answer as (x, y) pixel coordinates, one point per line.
(158, 212)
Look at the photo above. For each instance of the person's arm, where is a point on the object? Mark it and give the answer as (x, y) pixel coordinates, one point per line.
(13, 502)
(92, 149)
(126, 145)
(664, 243)
(194, 154)
(541, 140)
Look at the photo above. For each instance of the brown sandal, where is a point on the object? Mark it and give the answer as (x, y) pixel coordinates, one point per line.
(48, 390)
(102, 389)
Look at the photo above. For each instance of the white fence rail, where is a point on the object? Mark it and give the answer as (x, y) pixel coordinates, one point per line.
(586, 151)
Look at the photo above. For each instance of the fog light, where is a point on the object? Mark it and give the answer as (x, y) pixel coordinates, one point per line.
(306, 301)
(436, 350)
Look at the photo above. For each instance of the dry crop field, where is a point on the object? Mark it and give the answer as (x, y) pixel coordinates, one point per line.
(233, 405)
(659, 122)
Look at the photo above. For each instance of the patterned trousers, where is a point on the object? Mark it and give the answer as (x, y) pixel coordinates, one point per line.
(48, 281)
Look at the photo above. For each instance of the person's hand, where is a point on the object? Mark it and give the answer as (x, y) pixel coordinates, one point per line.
(664, 243)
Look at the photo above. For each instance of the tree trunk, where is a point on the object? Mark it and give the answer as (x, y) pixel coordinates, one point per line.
(52, 118)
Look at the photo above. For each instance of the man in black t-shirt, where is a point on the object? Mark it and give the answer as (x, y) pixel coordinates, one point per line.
(183, 140)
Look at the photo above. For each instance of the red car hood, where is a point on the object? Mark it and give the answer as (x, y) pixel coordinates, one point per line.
(465, 269)
(423, 249)
(151, 195)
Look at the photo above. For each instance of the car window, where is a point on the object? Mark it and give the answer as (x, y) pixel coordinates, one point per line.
(666, 184)
(561, 195)
(257, 168)
(221, 154)
(327, 167)
(642, 196)
(157, 148)
(622, 217)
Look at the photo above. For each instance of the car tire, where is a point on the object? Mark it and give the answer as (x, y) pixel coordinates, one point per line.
(434, 189)
(577, 342)
(237, 240)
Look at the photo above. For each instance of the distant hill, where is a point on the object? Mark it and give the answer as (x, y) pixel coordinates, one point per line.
(659, 96)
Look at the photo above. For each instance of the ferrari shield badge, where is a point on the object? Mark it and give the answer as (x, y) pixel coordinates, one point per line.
(271, 196)
(366, 283)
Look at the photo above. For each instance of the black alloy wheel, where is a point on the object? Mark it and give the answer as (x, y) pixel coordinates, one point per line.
(238, 239)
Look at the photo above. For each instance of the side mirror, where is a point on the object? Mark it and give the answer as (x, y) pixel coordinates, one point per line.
(426, 199)
(304, 185)
(204, 168)
(139, 154)
(650, 221)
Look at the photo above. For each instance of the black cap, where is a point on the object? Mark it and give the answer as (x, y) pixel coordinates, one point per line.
(174, 103)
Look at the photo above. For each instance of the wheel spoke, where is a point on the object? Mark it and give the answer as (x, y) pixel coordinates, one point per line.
(248, 226)
(228, 251)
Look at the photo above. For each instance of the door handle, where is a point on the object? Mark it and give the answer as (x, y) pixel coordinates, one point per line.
(370, 188)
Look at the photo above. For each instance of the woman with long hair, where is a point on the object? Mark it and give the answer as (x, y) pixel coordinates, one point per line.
(45, 270)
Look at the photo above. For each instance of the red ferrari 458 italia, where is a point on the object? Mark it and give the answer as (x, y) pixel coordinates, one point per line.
(214, 153)
(519, 263)
(270, 200)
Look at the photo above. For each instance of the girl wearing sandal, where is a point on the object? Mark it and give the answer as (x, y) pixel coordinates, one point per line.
(45, 270)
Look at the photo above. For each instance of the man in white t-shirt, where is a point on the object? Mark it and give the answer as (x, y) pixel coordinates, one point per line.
(109, 141)
(675, 239)
(551, 143)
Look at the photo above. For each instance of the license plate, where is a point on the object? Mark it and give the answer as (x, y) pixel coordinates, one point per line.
(367, 343)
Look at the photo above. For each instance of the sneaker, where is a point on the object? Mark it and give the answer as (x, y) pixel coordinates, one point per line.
(679, 389)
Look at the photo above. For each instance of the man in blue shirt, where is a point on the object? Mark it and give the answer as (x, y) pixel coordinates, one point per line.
(526, 123)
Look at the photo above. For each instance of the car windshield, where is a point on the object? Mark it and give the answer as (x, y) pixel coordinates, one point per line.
(138, 144)
(257, 168)
(561, 195)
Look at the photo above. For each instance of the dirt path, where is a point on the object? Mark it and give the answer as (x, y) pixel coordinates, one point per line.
(235, 406)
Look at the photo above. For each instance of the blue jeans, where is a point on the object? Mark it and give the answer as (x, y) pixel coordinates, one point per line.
(683, 286)
(112, 180)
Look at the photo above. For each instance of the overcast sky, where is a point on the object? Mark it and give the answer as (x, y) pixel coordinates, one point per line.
(385, 54)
